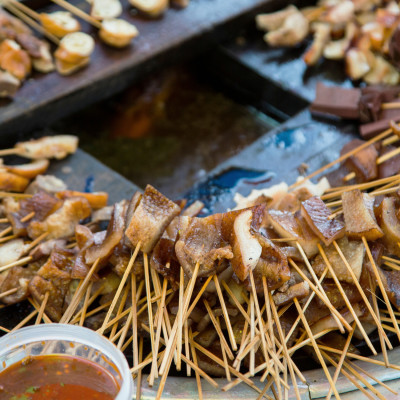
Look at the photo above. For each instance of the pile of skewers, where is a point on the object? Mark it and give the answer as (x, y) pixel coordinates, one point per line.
(306, 266)
(21, 51)
(364, 34)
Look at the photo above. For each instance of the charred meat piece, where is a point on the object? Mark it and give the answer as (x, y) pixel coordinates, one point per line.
(201, 241)
(390, 167)
(316, 213)
(48, 147)
(289, 225)
(359, 215)
(246, 248)
(61, 224)
(16, 277)
(149, 220)
(299, 291)
(41, 203)
(115, 232)
(353, 252)
(362, 163)
(272, 264)
(12, 182)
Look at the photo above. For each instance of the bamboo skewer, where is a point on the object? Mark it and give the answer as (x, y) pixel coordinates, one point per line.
(361, 291)
(5, 231)
(8, 292)
(120, 309)
(135, 351)
(25, 320)
(46, 319)
(78, 12)
(194, 356)
(12, 6)
(120, 288)
(341, 360)
(85, 304)
(22, 261)
(381, 287)
(139, 377)
(42, 308)
(377, 138)
(78, 294)
(346, 299)
(180, 319)
(225, 313)
(348, 376)
(316, 348)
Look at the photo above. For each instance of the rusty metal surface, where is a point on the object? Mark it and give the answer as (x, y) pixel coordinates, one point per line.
(178, 35)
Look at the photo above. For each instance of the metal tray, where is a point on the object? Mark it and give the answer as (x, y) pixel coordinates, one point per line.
(178, 35)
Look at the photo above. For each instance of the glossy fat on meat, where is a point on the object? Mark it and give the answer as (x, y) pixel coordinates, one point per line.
(246, 248)
(353, 251)
(16, 277)
(316, 213)
(115, 232)
(390, 224)
(153, 214)
(362, 163)
(299, 290)
(201, 241)
(359, 215)
(61, 224)
(287, 225)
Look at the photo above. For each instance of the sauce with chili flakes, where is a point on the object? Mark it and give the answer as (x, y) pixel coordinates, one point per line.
(57, 377)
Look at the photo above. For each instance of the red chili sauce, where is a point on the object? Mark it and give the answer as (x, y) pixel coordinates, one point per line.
(57, 377)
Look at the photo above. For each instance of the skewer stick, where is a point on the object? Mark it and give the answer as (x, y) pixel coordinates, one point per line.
(348, 376)
(92, 312)
(365, 372)
(316, 348)
(341, 360)
(85, 304)
(337, 316)
(7, 238)
(381, 287)
(8, 292)
(194, 357)
(5, 231)
(119, 312)
(78, 12)
(344, 157)
(321, 296)
(32, 23)
(120, 287)
(160, 315)
(358, 357)
(217, 327)
(260, 321)
(264, 391)
(372, 388)
(285, 350)
(187, 347)
(10, 152)
(252, 336)
(2, 328)
(225, 313)
(30, 215)
(338, 191)
(22, 261)
(78, 294)
(25, 320)
(364, 297)
(180, 319)
(124, 330)
(42, 308)
(35, 242)
(197, 298)
(4, 221)
(302, 341)
(16, 195)
(171, 344)
(134, 322)
(139, 377)
(46, 319)
(346, 299)
(240, 376)
(236, 301)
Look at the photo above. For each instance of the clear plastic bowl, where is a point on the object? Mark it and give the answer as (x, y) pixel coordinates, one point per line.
(71, 340)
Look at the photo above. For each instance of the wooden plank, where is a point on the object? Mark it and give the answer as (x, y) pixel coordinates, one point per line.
(177, 36)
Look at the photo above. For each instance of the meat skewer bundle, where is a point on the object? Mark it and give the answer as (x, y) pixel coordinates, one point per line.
(234, 294)
(363, 34)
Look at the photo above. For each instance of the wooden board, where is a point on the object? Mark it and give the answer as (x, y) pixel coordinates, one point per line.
(178, 35)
